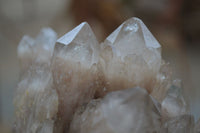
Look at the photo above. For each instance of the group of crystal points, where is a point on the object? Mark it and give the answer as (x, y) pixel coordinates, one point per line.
(78, 85)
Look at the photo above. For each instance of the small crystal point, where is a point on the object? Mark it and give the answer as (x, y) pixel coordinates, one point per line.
(174, 103)
(74, 71)
(125, 111)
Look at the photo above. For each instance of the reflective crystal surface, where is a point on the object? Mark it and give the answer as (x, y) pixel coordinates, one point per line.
(74, 71)
(36, 102)
(127, 111)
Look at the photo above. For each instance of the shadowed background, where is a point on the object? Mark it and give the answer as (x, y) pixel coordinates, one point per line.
(175, 24)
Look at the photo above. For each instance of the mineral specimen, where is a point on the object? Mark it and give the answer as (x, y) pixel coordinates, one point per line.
(76, 85)
(36, 101)
(127, 111)
(74, 68)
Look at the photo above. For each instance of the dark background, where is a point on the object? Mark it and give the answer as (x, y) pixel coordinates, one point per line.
(175, 24)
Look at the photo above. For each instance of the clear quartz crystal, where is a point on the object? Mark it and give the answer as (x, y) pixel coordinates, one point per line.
(180, 124)
(36, 102)
(126, 111)
(131, 56)
(174, 103)
(74, 70)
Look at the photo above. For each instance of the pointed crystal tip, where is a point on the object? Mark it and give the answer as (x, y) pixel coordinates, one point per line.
(70, 36)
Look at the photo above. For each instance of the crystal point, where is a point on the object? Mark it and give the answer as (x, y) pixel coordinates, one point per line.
(131, 57)
(74, 71)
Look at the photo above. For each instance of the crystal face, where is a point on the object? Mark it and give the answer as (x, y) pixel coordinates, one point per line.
(76, 85)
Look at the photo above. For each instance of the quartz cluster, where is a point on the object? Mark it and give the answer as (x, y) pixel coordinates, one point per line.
(77, 85)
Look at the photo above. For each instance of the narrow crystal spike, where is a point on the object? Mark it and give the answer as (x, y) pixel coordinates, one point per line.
(126, 111)
(174, 103)
(180, 124)
(74, 71)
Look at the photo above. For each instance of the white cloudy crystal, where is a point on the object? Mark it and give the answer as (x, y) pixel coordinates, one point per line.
(74, 71)
(174, 103)
(130, 57)
(36, 102)
(126, 111)
(180, 124)
(32, 51)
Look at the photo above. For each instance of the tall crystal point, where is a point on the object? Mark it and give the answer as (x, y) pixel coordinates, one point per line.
(130, 57)
(74, 71)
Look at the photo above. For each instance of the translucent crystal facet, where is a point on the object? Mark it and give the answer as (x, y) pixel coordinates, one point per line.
(74, 71)
(130, 57)
(124, 111)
